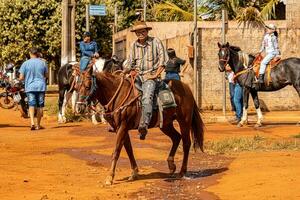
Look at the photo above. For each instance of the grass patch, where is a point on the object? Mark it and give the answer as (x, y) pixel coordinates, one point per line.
(296, 136)
(256, 143)
(51, 109)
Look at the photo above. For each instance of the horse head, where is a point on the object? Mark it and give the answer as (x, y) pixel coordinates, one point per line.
(224, 56)
(113, 64)
(84, 88)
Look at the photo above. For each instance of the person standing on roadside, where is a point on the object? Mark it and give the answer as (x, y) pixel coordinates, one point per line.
(35, 72)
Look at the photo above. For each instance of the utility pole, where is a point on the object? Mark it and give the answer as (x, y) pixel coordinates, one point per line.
(68, 32)
(114, 29)
(145, 9)
(195, 53)
(87, 17)
(73, 33)
(224, 31)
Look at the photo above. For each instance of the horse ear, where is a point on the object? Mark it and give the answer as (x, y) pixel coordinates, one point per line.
(219, 45)
(227, 44)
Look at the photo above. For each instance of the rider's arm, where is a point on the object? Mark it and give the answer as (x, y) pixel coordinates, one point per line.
(131, 59)
(96, 48)
(22, 72)
(46, 74)
(274, 41)
(262, 48)
(83, 50)
(161, 53)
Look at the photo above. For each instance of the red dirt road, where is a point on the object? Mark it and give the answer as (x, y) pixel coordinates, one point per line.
(71, 161)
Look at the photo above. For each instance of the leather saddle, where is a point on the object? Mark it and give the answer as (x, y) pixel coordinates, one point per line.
(272, 64)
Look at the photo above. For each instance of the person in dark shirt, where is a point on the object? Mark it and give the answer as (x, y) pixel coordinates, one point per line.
(173, 65)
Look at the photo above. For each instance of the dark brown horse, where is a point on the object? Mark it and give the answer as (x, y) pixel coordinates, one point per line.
(123, 113)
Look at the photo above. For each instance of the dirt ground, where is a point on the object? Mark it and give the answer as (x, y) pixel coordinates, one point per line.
(71, 161)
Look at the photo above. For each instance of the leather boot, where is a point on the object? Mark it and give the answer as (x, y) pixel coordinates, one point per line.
(143, 130)
(261, 79)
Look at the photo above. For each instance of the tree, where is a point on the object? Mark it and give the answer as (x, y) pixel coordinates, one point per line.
(38, 23)
(25, 24)
(247, 12)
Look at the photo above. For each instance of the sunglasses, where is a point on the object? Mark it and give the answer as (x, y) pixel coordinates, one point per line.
(141, 32)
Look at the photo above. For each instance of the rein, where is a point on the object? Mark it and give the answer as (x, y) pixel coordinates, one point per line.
(121, 106)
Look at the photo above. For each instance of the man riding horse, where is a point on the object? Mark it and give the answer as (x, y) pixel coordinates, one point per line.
(147, 57)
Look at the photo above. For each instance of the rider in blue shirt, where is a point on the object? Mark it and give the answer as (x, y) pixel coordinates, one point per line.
(88, 49)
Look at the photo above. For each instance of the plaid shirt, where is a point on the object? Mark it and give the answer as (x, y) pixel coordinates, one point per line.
(147, 57)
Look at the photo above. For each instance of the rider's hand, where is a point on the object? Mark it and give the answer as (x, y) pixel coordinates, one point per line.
(133, 73)
(152, 77)
(96, 55)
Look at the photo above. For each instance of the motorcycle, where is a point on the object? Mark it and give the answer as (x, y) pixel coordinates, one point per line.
(14, 96)
(6, 98)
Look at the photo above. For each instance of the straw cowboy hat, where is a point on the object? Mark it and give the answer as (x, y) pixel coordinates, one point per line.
(271, 27)
(140, 25)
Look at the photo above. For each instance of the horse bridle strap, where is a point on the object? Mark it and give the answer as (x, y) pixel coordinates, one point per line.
(106, 107)
(115, 95)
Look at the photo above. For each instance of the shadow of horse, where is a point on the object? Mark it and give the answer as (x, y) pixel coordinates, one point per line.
(190, 175)
(12, 125)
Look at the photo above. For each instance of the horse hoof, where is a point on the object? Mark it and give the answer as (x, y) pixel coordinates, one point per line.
(180, 175)
(95, 123)
(109, 181)
(133, 177)
(257, 125)
(239, 125)
(172, 167)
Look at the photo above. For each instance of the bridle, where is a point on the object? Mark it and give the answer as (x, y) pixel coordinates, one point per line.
(225, 60)
(83, 99)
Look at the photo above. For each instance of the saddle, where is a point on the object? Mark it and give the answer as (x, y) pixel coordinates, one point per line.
(163, 97)
(272, 64)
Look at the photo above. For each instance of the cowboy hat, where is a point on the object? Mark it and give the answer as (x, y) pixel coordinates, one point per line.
(271, 27)
(140, 25)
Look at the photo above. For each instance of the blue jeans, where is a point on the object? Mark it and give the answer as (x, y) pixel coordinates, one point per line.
(238, 101)
(36, 99)
(84, 61)
(231, 92)
(172, 75)
(265, 61)
(148, 88)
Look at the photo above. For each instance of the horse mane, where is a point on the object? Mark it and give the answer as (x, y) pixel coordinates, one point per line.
(235, 48)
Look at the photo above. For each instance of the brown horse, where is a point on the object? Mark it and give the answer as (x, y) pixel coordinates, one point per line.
(122, 111)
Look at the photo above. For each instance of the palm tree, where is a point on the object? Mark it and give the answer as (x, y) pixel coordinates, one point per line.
(168, 11)
(250, 13)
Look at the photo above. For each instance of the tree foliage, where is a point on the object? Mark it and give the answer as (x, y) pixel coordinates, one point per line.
(38, 23)
(28, 23)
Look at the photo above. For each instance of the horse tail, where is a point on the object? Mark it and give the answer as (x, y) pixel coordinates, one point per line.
(197, 129)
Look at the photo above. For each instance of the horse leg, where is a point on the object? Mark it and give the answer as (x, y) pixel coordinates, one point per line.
(94, 120)
(134, 167)
(121, 133)
(74, 100)
(297, 87)
(186, 143)
(257, 107)
(102, 115)
(170, 131)
(62, 102)
(244, 119)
